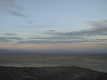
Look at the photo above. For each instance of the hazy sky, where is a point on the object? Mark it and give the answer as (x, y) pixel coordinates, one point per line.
(53, 23)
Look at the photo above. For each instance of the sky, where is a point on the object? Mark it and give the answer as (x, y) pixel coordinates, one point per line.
(53, 24)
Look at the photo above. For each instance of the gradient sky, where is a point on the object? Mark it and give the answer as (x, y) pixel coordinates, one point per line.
(64, 24)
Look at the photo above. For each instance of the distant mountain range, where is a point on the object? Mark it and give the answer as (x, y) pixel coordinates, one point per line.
(55, 51)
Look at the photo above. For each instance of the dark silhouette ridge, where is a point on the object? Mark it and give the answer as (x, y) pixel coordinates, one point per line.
(50, 73)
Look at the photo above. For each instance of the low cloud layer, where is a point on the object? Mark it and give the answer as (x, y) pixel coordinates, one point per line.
(10, 38)
(98, 27)
(10, 34)
(96, 33)
(98, 30)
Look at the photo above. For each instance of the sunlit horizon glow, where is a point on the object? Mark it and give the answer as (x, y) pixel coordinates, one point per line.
(55, 45)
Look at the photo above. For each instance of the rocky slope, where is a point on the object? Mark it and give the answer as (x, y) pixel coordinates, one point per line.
(50, 73)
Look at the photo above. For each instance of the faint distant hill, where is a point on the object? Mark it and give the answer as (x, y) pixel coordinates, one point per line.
(54, 51)
(10, 51)
(15, 51)
(50, 73)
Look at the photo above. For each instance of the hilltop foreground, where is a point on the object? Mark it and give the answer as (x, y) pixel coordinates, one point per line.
(50, 73)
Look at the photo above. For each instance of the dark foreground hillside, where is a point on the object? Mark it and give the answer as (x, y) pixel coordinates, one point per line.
(50, 73)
